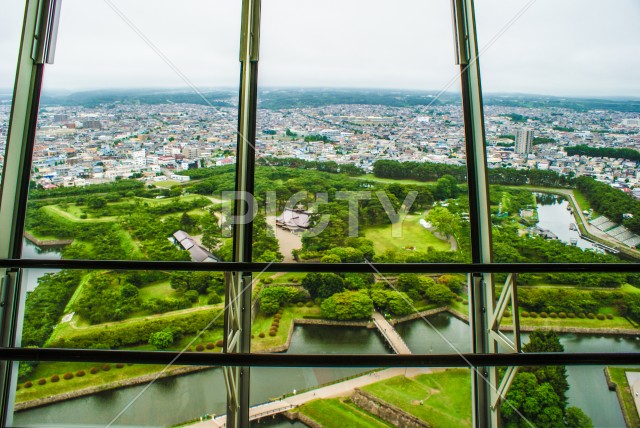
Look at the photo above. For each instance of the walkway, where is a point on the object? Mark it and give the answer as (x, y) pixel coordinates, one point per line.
(390, 334)
(339, 389)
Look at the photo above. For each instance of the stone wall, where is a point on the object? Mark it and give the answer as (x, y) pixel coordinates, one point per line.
(390, 413)
(297, 416)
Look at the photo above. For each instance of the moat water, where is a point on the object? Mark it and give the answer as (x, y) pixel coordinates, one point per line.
(178, 399)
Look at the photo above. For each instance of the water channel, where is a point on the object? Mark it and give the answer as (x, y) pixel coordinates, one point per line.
(553, 215)
(178, 399)
(204, 392)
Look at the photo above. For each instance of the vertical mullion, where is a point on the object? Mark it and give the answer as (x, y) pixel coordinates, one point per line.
(481, 286)
(238, 322)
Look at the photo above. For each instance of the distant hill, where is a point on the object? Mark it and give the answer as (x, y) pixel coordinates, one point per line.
(281, 98)
(216, 98)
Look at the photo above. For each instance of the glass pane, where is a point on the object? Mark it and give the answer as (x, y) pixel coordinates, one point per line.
(360, 135)
(10, 22)
(349, 313)
(129, 139)
(561, 111)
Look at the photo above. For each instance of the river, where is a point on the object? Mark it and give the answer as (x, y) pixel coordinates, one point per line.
(196, 394)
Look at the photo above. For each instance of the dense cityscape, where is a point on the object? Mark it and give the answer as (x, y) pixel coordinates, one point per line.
(78, 145)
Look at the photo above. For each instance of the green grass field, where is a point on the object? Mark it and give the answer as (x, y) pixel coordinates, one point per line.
(262, 324)
(47, 369)
(619, 377)
(441, 398)
(55, 210)
(413, 235)
(581, 200)
(157, 290)
(336, 413)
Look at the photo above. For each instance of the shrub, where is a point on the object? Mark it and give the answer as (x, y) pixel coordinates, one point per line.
(210, 345)
(543, 315)
(220, 343)
(268, 280)
(459, 299)
(562, 315)
(309, 304)
(106, 367)
(199, 348)
(591, 315)
(581, 315)
(67, 376)
(465, 302)
(534, 314)
(261, 335)
(299, 304)
(506, 314)
(571, 315)
(94, 370)
(553, 315)
(524, 314)
(80, 373)
(28, 384)
(272, 333)
(277, 316)
(42, 381)
(609, 316)
(55, 378)
(119, 365)
(601, 317)
(275, 325)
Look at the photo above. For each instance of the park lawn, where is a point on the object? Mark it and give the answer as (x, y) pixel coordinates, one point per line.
(58, 212)
(290, 278)
(129, 245)
(616, 322)
(167, 183)
(582, 201)
(167, 201)
(48, 369)
(156, 290)
(629, 288)
(334, 412)
(444, 396)
(262, 324)
(66, 330)
(619, 377)
(371, 177)
(413, 235)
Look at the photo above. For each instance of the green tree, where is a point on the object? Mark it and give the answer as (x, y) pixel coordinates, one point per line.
(161, 339)
(348, 305)
(271, 298)
(439, 294)
(444, 221)
(575, 418)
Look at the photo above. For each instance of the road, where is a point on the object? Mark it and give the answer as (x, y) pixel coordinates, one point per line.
(339, 389)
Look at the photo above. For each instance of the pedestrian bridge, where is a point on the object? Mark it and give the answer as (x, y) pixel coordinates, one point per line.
(390, 334)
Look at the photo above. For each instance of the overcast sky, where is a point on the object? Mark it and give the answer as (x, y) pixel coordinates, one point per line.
(557, 47)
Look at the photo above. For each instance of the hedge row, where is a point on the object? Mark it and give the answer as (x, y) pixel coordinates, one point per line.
(138, 331)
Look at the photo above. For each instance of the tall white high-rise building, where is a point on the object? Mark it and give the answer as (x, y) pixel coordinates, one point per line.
(524, 141)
